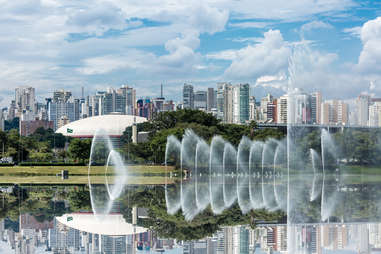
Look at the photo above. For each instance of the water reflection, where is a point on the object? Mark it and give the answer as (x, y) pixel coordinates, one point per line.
(60, 218)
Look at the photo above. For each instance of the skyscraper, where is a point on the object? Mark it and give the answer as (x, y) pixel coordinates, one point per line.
(244, 93)
(282, 109)
(225, 102)
(188, 96)
(200, 100)
(130, 96)
(211, 99)
(334, 112)
(253, 112)
(61, 110)
(25, 99)
(375, 114)
(1, 121)
(362, 106)
(316, 101)
(61, 95)
(263, 107)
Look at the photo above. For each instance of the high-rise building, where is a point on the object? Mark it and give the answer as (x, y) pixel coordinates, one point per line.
(61, 96)
(200, 100)
(272, 111)
(1, 121)
(362, 106)
(122, 100)
(25, 99)
(375, 114)
(243, 240)
(236, 104)
(12, 111)
(253, 109)
(96, 103)
(316, 101)
(334, 112)
(61, 110)
(244, 94)
(225, 102)
(130, 96)
(263, 107)
(188, 96)
(282, 105)
(241, 103)
(211, 99)
(299, 107)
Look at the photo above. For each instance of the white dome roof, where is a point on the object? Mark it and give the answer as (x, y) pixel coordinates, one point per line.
(110, 224)
(114, 125)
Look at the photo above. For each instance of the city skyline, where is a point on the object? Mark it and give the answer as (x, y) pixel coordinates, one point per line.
(230, 103)
(332, 46)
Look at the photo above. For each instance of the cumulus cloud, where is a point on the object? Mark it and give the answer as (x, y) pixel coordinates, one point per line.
(98, 19)
(181, 59)
(370, 56)
(265, 58)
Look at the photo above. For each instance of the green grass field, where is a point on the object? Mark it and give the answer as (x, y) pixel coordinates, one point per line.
(76, 170)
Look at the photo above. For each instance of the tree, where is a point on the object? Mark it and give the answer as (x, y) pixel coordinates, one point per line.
(14, 124)
(79, 199)
(79, 149)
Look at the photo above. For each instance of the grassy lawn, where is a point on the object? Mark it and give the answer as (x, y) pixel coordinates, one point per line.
(154, 180)
(361, 170)
(76, 170)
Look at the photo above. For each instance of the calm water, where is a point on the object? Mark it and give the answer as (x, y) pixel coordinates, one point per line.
(344, 216)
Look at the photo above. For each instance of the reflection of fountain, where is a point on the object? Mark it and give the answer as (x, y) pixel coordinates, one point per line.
(219, 175)
(172, 157)
(253, 175)
(216, 162)
(329, 164)
(316, 166)
(102, 153)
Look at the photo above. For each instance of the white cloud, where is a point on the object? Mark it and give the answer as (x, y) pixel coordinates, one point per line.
(354, 31)
(265, 58)
(317, 24)
(370, 56)
(96, 20)
(280, 10)
(250, 24)
(223, 55)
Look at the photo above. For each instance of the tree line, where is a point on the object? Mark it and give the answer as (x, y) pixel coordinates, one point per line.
(43, 146)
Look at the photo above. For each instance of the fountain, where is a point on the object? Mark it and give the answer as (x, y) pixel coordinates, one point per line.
(103, 153)
(218, 175)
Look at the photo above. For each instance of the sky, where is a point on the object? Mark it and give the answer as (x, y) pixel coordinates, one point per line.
(328, 45)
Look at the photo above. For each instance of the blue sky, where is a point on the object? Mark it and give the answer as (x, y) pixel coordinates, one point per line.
(333, 45)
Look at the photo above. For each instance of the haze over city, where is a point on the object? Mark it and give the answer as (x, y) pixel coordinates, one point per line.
(53, 45)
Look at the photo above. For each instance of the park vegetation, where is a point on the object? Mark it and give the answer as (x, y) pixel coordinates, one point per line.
(43, 147)
(354, 147)
(175, 123)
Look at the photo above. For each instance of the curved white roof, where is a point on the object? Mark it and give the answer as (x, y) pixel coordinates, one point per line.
(114, 125)
(110, 224)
